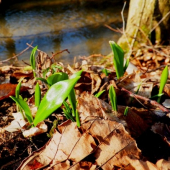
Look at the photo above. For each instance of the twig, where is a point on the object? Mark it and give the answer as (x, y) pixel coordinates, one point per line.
(53, 54)
(30, 45)
(154, 103)
(3, 61)
(112, 29)
(159, 22)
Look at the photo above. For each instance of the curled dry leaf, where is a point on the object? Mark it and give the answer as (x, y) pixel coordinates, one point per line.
(96, 82)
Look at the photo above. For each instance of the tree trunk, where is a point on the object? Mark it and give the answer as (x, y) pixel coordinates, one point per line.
(143, 16)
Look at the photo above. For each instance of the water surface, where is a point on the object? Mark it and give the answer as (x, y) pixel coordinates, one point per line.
(56, 25)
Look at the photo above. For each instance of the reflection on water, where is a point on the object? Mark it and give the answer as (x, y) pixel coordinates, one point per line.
(54, 26)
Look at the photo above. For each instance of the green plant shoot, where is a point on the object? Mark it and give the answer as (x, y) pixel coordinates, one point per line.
(99, 93)
(67, 111)
(32, 59)
(37, 95)
(113, 98)
(56, 77)
(126, 110)
(25, 107)
(118, 59)
(164, 77)
(72, 96)
(77, 118)
(54, 98)
(17, 90)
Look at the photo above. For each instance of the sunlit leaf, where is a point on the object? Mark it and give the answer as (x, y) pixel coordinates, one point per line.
(37, 95)
(77, 118)
(54, 78)
(99, 93)
(25, 107)
(118, 59)
(164, 77)
(54, 98)
(32, 58)
(17, 90)
(72, 96)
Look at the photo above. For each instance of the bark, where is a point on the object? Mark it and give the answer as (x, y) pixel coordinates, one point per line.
(142, 17)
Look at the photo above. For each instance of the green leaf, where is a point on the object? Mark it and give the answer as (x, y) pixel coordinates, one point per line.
(72, 96)
(54, 98)
(99, 93)
(25, 107)
(126, 110)
(164, 77)
(113, 99)
(77, 118)
(105, 71)
(37, 95)
(17, 90)
(76, 74)
(118, 58)
(32, 58)
(54, 78)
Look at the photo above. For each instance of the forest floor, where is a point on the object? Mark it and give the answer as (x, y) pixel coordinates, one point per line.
(106, 139)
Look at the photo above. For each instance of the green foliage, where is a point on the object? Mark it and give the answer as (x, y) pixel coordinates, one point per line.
(52, 69)
(126, 110)
(105, 71)
(56, 77)
(17, 90)
(77, 119)
(113, 98)
(54, 98)
(164, 77)
(37, 95)
(25, 107)
(72, 96)
(32, 59)
(99, 93)
(118, 59)
(67, 111)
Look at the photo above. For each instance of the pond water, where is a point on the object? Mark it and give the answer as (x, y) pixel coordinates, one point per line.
(56, 25)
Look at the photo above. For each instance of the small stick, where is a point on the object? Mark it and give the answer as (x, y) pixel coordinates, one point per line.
(154, 103)
(159, 22)
(112, 29)
(3, 61)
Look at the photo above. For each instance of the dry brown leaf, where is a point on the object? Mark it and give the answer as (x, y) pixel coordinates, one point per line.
(167, 89)
(62, 165)
(117, 144)
(136, 121)
(8, 89)
(89, 105)
(44, 155)
(96, 82)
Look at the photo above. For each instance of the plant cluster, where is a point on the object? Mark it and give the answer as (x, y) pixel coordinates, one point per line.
(61, 87)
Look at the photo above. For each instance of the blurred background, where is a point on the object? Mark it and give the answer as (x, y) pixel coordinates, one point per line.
(55, 25)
